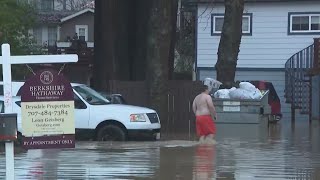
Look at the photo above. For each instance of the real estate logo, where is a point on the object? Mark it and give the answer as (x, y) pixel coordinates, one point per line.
(46, 77)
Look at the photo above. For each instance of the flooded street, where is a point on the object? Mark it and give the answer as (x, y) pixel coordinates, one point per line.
(242, 152)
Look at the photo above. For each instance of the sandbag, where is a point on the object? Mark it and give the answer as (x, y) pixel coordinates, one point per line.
(222, 93)
(240, 94)
(212, 83)
(256, 94)
(232, 89)
(245, 94)
(247, 86)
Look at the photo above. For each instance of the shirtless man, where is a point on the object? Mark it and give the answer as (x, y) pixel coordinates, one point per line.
(204, 110)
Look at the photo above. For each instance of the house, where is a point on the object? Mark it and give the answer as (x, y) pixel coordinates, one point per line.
(81, 22)
(66, 27)
(273, 31)
(75, 35)
(59, 20)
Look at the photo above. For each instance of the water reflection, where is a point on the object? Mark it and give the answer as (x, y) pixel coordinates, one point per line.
(243, 152)
(175, 163)
(204, 162)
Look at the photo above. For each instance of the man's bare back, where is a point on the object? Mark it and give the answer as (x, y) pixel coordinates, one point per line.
(205, 113)
(203, 105)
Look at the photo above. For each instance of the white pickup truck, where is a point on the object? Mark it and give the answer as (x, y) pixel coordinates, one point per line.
(97, 119)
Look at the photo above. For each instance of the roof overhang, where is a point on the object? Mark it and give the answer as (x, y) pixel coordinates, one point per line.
(77, 14)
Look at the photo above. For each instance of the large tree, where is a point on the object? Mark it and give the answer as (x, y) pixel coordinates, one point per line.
(16, 18)
(159, 46)
(104, 61)
(121, 30)
(134, 40)
(230, 42)
(120, 40)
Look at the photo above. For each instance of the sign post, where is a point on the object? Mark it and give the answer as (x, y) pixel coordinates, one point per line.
(6, 70)
(7, 60)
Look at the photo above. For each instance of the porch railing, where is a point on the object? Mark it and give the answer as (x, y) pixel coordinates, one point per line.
(298, 87)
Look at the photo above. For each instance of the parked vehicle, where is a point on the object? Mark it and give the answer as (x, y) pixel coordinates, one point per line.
(99, 119)
(114, 98)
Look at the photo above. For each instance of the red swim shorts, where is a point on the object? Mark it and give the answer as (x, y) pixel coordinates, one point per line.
(205, 125)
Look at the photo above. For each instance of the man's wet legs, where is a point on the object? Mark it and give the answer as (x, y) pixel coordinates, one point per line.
(202, 139)
(210, 139)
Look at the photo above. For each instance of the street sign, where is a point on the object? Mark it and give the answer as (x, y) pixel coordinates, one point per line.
(47, 111)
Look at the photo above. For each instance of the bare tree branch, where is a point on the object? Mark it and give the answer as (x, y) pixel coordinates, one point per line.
(76, 5)
(230, 42)
(208, 18)
(209, 4)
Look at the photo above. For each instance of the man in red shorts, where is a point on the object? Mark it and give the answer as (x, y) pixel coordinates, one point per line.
(204, 110)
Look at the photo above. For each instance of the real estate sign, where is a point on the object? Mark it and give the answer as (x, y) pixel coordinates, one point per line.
(47, 111)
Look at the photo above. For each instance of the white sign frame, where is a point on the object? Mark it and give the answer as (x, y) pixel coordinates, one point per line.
(7, 60)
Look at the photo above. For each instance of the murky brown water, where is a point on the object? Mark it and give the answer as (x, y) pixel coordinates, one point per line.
(243, 152)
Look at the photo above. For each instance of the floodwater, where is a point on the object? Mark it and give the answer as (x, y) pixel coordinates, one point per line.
(242, 152)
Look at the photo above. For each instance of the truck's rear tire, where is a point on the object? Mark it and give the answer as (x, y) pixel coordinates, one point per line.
(19, 140)
(111, 133)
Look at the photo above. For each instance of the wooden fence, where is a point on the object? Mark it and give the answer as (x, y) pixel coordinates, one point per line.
(180, 121)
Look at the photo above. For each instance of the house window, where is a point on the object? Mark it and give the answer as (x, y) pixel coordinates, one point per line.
(37, 35)
(52, 35)
(82, 31)
(45, 5)
(304, 23)
(82, 34)
(217, 24)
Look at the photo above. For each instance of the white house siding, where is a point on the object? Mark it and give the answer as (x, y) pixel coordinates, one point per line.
(269, 46)
(275, 76)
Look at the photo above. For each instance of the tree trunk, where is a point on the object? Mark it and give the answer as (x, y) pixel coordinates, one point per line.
(159, 37)
(174, 9)
(138, 38)
(64, 4)
(99, 77)
(230, 42)
(121, 38)
(104, 50)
